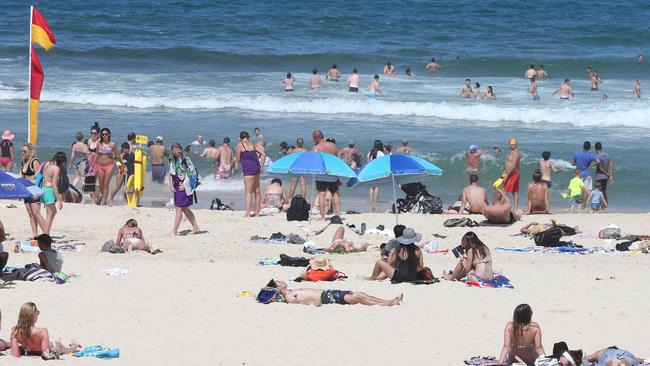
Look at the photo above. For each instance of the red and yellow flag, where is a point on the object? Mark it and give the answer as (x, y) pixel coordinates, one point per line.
(36, 84)
(41, 32)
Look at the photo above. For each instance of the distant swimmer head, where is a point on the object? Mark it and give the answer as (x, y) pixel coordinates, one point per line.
(512, 142)
(604, 96)
(473, 148)
(334, 66)
(314, 71)
(489, 88)
(376, 77)
(355, 71)
(300, 142)
(130, 136)
(351, 144)
(405, 142)
(212, 143)
(289, 75)
(433, 59)
(546, 155)
(567, 80)
(532, 66)
(467, 81)
(388, 64)
(598, 146)
(244, 135)
(541, 67)
(477, 84)
(226, 140)
(473, 178)
(284, 145)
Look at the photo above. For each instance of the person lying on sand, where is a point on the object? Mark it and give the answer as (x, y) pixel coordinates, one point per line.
(475, 260)
(499, 212)
(404, 261)
(131, 237)
(339, 244)
(522, 338)
(27, 340)
(535, 228)
(277, 291)
(613, 356)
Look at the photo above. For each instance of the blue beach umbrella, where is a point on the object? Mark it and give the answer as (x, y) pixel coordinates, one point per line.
(31, 187)
(11, 188)
(396, 168)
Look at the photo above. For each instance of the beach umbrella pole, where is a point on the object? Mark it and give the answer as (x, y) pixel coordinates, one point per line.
(395, 200)
(313, 189)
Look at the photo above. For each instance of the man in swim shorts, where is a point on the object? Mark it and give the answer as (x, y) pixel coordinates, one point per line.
(565, 90)
(466, 90)
(278, 291)
(531, 72)
(533, 89)
(353, 81)
(511, 173)
(226, 158)
(158, 154)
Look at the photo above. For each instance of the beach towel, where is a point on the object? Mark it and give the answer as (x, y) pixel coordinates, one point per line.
(288, 261)
(460, 222)
(31, 272)
(482, 361)
(560, 249)
(499, 281)
(269, 261)
(98, 352)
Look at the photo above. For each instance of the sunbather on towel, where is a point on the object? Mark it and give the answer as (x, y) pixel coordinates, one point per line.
(4, 256)
(535, 228)
(499, 212)
(277, 291)
(522, 338)
(475, 260)
(613, 356)
(26, 339)
(339, 244)
(130, 236)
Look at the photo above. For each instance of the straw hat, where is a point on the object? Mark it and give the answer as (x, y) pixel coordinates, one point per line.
(320, 262)
(8, 135)
(409, 236)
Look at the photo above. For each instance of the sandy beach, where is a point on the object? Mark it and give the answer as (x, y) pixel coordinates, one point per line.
(181, 306)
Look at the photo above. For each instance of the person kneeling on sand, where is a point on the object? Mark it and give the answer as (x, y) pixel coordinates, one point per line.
(404, 261)
(275, 197)
(277, 291)
(522, 338)
(499, 212)
(131, 237)
(339, 244)
(475, 260)
(26, 339)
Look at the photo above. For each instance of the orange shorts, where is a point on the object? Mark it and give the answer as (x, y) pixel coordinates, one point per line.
(512, 183)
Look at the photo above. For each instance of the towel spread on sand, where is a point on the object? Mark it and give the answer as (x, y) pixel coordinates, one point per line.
(499, 281)
(482, 361)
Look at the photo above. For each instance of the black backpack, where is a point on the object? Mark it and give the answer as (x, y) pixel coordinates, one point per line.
(299, 209)
(549, 238)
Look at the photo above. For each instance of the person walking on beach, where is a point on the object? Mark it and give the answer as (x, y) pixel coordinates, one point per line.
(7, 151)
(300, 147)
(637, 89)
(333, 74)
(90, 181)
(531, 72)
(288, 82)
(389, 69)
(433, 65)
(79, 158)
(30, 167)
(604, 170)
(353, 81)
(376, 152)
(374, 87)
(532, 89)
(249, 156)
(105, 164)
(226, 158)
(315, 81)
(541, 74)
(565, 90)
(181, 176)
(158, 154)
(466, 90)
(511, 172)
(52, 170)
(326, 183)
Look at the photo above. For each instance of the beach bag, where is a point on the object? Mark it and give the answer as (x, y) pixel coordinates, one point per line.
(220, 206)
(38, 180)
(425, 274)
(315, 275)
(549, 238)
(299, 209)
(89, 184)
(288, 261)
(460, 222)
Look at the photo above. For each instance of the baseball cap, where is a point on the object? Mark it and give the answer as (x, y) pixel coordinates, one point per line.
(473, 148)
(159, 138)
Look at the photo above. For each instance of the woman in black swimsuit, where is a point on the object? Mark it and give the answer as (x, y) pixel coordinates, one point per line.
(30, 167)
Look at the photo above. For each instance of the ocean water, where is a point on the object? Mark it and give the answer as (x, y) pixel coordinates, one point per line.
(187, 67)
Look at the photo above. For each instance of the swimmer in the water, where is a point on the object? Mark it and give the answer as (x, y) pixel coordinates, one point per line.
(531, 72)
(374, 87)
(489, 94)
(466, 90)
(433, 65)
(637, 89)
(353, 81)
(314, 81)
(541, 73)
(389, 69)
(565, 90)
(333, 74)
(476, 91)
(288, 82)
(595, 81)
(409, 72)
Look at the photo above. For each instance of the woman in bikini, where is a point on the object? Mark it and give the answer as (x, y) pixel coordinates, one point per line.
(522, 338)
(475, 262)
(275, 196)
(7, 151)
(79, 159)
(180, 171)
(51, 171)
(105, 163)
(131, 237)
(30, 166)
(249, 156)
(90, 181)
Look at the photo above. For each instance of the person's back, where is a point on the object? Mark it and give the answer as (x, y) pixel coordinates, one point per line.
(35, 344)
(326, 147)
(499, 211)
(157, 154)
(524, 346)
(475, 195)
(406, 263)
(537, 196)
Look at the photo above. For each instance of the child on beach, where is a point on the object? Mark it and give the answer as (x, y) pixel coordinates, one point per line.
(49, 258)
(596, 198)
(576, 188)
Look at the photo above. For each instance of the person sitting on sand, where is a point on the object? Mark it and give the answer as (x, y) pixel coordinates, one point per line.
(277, 291)
(398, 230)
(613, 356)
(4, 256)
(275, 196)
(537, 195)
(131, 237)
(341, 245)
(499, 212)
(404, 262)
(49, 258)
(26, 339)
(474, 195)
(475, 260)
(522, 338)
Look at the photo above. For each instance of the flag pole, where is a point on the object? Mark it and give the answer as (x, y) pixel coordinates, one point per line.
(29, 77)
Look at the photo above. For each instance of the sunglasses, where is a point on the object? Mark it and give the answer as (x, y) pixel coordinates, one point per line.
(93, 133)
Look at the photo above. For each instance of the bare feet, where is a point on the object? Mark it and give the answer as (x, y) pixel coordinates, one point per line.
(397, 300)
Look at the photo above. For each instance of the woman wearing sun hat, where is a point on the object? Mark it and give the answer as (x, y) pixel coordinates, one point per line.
(404, 262)
(7, 150)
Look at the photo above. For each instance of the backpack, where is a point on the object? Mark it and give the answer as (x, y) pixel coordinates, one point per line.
(218, 205)
(193, 179)
(460, 222)
(299, 209)
(549, 238)
(288, 261)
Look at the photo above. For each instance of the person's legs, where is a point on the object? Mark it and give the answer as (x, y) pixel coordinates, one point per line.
(321, 204)
(190, 217)
(374, 194)
(339, 234)
(119, 180)
(382, 267)
(177, 220)
(107, 186)
(50, 212)
(35, 208)
(303, 186)
(101, 183)
(457, 274)
(258, 196)
(32, 219)
(365, 299)
(249, 186)
(4, 257)
(292, 187)
(336, 202)
(516, 196)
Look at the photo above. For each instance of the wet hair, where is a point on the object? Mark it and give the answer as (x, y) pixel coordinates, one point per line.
(26, 320)
(598, 146)
(567, 80)
(212, 143)
(105, 129)
(473, 178)
(284, 144)
(470, 241)
(351, 144)
(398, 230)
(256, 129)
(433, 59)
(586, 145)
(175, 145)
(408, 71)
(377, 146)
(546, 155)
(334, 66)
(80, 136)
(314, 71)
(532, 66)
(300, 142)
(354, 71)
(130, 136)
(376, 77)
(317, 133)
(289, 75)
(520, 318)
(477, 84)
(243, 135)
(537, 176)
(467, 80)
(226, 140)
(389, 64)
(131, 223)
(276, 180)
(95, 127)
(125, 145)
(490, 89)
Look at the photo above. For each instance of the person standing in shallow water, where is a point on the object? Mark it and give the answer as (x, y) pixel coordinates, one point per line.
(249, 156)
(181, 175)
